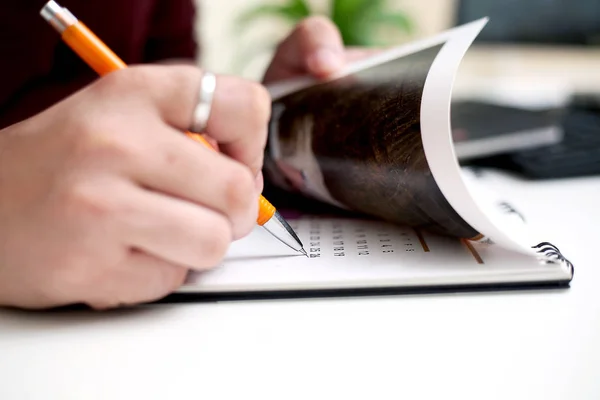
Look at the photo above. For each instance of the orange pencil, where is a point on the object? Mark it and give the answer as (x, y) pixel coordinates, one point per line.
(104, 61)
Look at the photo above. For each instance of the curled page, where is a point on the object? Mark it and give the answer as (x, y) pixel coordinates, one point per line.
(376, 139)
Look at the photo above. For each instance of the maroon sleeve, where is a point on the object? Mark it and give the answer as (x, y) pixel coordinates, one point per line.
(37, 69)
(172, 31)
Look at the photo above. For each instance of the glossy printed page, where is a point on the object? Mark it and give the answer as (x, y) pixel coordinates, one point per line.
(356, 141)
(377, 140)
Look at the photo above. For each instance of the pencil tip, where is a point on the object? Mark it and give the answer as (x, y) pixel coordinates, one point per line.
(304, 252)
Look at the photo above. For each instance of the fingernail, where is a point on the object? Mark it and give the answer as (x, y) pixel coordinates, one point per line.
(325, 61)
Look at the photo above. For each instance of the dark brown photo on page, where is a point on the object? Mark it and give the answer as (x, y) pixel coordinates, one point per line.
(355, 143)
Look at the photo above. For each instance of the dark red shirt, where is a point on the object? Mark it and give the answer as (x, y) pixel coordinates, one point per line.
(37, 69)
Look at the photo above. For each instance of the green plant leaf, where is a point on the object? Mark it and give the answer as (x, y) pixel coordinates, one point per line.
(356, 8)
(343, 14)
(293, 11)
(358, 20)
(397, 20)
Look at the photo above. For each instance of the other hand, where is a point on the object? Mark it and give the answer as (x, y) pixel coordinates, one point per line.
(315, 47)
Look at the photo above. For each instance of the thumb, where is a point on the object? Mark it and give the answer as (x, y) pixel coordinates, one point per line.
(315, 46)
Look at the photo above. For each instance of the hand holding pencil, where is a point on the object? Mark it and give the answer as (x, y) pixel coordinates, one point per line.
(103, 198)
(105, 201)
(99, 57)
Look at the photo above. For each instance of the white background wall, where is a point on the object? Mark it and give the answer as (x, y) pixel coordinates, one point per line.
(220, 46)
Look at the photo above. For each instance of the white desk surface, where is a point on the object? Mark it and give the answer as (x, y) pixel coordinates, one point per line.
(538, 345)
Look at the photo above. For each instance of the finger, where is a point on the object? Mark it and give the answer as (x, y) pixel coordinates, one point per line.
(178, 167)
(315, 46)
(240, 109)
(239, 120)
(211, 141)
(169, 92)
(174, 230)
(141, 278)
(357, 54)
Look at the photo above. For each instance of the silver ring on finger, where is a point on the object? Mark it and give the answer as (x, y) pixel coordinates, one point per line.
(208, 85)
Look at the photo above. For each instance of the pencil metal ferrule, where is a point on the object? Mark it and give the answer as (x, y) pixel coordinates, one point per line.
(59, 17)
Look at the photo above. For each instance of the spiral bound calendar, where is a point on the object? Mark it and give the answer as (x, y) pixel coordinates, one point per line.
(375, 143)
(350, 256)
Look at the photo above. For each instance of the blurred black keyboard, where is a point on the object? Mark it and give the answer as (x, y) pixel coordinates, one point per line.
(481, 129)
(578, 154)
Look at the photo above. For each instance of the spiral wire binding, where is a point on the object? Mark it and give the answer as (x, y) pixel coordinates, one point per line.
(553, 254)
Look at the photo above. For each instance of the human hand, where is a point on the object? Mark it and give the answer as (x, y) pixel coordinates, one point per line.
(315, 47)
(104, 201)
